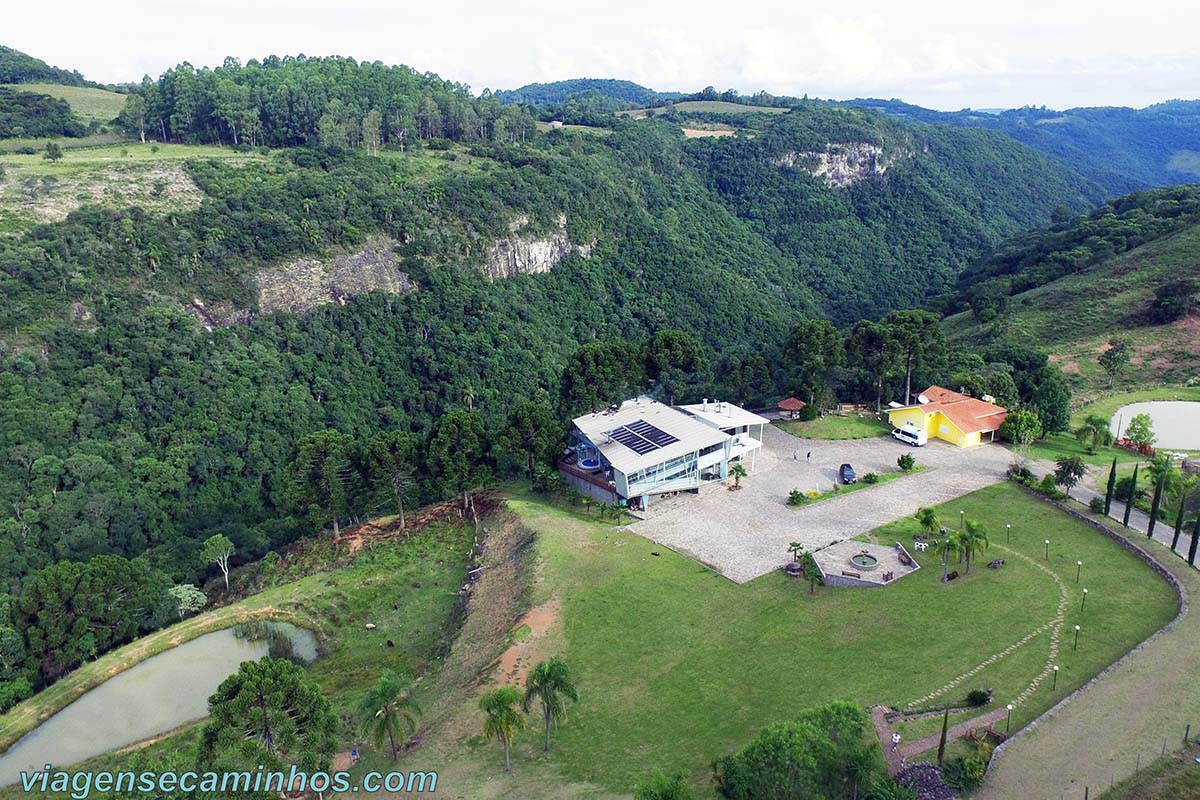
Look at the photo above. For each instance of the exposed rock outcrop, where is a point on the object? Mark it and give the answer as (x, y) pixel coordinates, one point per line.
(523, 254)
(306, 283)
(842, 164)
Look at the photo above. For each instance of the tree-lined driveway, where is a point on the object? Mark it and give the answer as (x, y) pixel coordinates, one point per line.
(745, 534)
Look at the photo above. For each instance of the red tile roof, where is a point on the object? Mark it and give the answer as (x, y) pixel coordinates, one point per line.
(968, 414)
(791, 404)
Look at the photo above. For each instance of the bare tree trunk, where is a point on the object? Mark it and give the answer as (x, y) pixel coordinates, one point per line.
(546, 711)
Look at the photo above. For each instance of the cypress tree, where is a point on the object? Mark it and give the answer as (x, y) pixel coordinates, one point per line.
(1112, 485)
(942, 741)
(1178, 520)
(1195, 539)
(1154, 504)
(1132, 494)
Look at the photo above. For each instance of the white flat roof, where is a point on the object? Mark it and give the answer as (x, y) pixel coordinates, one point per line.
(724, 415)
(690, 434)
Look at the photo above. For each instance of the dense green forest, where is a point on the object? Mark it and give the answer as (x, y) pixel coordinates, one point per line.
(36, 115)
(917, 209)
(334, 102)
(18, 67)
(624, 94)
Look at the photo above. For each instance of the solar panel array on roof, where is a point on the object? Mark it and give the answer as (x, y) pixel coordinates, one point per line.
(641, 437)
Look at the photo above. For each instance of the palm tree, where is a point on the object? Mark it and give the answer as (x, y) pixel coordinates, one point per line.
(796, 548)
(390, 713)
(927, 518)
(946, 546)
(1095, 429)
(503, 719)
(973, 539)
(550, 682)
(738, 472)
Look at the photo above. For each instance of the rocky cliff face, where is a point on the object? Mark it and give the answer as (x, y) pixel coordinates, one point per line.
(842, 164)
(523, 254)
(306, 283)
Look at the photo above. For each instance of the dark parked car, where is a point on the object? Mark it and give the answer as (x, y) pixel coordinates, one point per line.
(846, 473)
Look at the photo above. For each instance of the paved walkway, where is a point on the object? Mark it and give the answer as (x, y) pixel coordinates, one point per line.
(894, 760)
(746, 534)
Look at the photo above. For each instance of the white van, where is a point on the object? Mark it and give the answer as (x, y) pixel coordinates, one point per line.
(911, 434)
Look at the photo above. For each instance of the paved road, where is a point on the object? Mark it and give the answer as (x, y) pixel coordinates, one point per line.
(746, 534)
(1164, 531)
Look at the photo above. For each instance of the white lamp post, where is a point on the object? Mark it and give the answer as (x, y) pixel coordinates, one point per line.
(1054, 685)
(1076, 645)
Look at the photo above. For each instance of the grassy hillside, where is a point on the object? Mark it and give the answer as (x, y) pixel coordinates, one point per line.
(1075, 316)
(36, 191)
(760, 652)
(86, 102)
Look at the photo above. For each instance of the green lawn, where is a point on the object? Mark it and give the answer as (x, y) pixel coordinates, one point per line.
(678, 666)
(406, 588)
(838, 426)
(86, 103)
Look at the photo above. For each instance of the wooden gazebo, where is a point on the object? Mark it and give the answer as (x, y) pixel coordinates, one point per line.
(791, 406)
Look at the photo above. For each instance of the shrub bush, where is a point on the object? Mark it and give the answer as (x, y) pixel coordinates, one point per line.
(906, 462)
(808, 413)
(978, 697)
(1096, 504)
(796, 498)
(870, 477)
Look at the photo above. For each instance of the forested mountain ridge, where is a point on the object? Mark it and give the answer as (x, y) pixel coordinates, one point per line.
(18, 67)
(1121, 149)
(1128, 274)
(628, 93)
(910, 206)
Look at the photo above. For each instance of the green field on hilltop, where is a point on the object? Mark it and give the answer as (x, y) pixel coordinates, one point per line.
(86, 103)
(662, 645)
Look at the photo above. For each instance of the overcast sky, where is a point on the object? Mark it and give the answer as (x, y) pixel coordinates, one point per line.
(936, 53)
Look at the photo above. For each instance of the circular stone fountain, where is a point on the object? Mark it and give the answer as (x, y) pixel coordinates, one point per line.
(864, 561)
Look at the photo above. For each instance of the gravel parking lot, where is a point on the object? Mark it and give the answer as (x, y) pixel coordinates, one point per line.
(745, 534)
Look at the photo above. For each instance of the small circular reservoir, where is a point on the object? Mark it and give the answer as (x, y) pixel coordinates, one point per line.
(1176, 423)
(864, 561)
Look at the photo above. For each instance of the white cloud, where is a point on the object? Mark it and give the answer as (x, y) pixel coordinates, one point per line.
(943, 53)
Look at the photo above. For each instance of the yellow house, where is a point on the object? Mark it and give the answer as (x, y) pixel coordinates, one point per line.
(952, 417)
